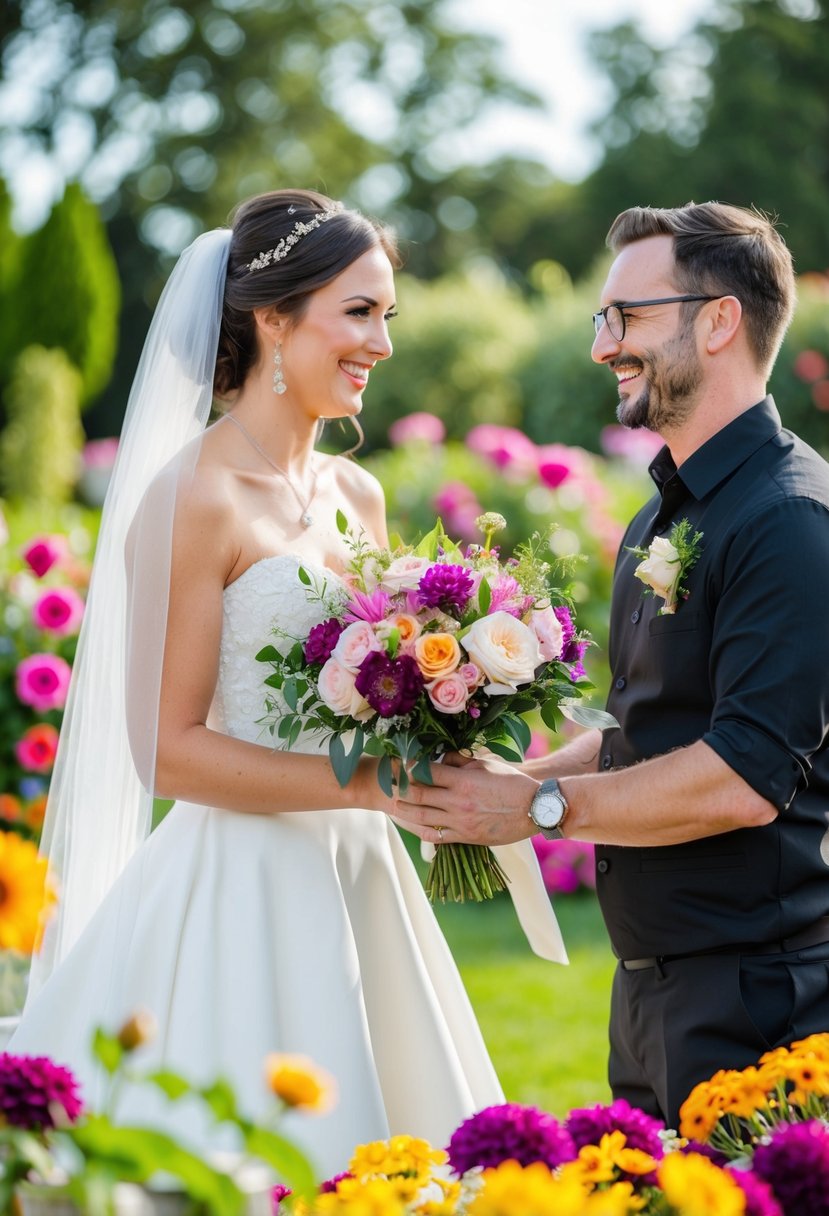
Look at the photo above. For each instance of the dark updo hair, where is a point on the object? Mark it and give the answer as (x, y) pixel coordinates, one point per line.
(318, 257)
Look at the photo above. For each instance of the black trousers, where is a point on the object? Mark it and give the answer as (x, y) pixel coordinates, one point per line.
(672, 1026)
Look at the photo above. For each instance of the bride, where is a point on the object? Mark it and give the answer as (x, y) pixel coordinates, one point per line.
(265, 913)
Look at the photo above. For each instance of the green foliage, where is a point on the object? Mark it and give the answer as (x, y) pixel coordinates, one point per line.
(65, 292)
(800, 381)
(40, 447)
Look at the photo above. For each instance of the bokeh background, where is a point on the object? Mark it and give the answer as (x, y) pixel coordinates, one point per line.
(499, 141)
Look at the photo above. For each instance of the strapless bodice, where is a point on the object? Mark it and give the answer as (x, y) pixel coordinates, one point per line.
(266, 605)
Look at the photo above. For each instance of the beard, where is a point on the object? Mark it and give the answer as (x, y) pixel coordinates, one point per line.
(668, 396)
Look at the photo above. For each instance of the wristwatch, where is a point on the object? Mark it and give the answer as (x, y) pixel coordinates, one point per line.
(548, 809)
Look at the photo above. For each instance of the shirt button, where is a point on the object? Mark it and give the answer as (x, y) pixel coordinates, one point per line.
(603, 866)
(634, 616)
(607, 761)
(621, 682)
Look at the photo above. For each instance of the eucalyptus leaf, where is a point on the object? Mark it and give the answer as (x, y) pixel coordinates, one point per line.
(385, 776)
(276, 680)
(422, 770)
(290, 693)
(586, 715)
(268, 654)
(303, 576)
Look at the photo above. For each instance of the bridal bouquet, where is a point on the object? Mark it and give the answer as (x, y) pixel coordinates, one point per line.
(427, 650)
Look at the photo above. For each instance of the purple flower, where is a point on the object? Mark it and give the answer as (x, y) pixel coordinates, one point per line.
(391, 686)
(445, 586)
(760, 1200)
(588, 1124)
(705, 1150)
(568, 629)
(572, 650)
(279, 1192)
(509, 1132)
(36, 1093)
(795, 1163)
(373, 606)
(321, 640)
(330, 1184)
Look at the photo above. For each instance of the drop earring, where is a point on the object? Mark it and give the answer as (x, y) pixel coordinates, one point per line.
(279, 385)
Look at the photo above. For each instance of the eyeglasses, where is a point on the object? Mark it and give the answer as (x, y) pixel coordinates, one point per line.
(613, 315)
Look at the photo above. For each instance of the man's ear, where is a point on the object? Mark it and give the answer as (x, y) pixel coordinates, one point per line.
(723, 323)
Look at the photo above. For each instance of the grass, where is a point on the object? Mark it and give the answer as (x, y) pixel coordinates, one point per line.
(545, 1025)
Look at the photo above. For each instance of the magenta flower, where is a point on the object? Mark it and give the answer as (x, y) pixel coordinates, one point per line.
(795, 1163)
(572, 650)
(565, 865)
(330, 1184)
(509, 1132)
(637, 447)
(507, 596)
(42, 681)
(507, 448)
(419, 427)
(391, 686)
(588, 1124)
(446, 586)
(760, 1200)
(58, 611)
(368, 606)
(36, 1093)
(279, 1192)
(42, 552)
(321, 640)
(37, 747)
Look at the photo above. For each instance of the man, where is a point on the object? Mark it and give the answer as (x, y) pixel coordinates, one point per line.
(709, 803)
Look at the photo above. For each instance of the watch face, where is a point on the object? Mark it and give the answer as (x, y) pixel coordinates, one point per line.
(548, 810)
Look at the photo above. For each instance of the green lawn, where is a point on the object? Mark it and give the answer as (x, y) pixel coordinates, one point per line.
(545, 1025)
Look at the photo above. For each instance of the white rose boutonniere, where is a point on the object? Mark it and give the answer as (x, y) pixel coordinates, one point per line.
(666, 563)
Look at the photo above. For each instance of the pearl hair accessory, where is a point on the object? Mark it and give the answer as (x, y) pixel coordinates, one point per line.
(300, 229)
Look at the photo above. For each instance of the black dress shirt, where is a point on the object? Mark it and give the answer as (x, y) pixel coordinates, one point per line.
(743, 664)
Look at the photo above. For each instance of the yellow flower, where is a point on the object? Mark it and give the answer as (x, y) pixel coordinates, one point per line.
(599, 1162)
(298, 1082)
(618, 1200)
(744, 1093)
(27, 894)
(694, 1186)
(437, 654)
(399, 1157)
(372, 1197)
(514, 1190)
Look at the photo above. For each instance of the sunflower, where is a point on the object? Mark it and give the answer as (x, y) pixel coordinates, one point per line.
(27, 894)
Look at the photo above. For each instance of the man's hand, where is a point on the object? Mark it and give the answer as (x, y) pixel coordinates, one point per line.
(472, 802)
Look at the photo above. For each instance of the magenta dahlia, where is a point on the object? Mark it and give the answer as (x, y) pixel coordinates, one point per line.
(588, 1124)
(445, 586)
(321, 641)
(795, 1163)
(36, 1093)
(509, 1132)
(760, 1200)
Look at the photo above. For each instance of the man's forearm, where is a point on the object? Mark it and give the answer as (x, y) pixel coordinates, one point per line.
(579, 756)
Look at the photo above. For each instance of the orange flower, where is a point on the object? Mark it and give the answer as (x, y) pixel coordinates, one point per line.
(298, 1082)
(27, 894)
(699, 1113)
(35, 812)
(9, 807)
(437, 654)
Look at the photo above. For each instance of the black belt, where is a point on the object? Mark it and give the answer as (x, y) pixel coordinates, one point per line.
(816, 935)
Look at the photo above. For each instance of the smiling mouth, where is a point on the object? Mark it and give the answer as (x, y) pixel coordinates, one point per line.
(356, 371)
(626, 372)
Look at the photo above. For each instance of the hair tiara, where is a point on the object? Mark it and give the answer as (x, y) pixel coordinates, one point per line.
(300, 229)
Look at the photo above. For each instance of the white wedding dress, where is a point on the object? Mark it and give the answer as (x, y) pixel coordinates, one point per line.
(247, 934)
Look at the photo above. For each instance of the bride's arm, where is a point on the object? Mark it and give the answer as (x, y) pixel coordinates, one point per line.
(193, 762)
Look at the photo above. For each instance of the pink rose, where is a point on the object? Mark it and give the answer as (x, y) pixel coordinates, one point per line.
(417, 428)
(354, 643)
(42, 681)
(450, 694)
(471, 674)
(59, 611)
(337, 690)
(42, 552)
(547, 628)
(405, 573)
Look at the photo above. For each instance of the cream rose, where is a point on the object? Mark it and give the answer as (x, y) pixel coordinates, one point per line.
(354, 643)
(450, 694)
(437, 654)
(547, 628)
(336, 688)
(405, 573)
(505, 649)
(661, 571)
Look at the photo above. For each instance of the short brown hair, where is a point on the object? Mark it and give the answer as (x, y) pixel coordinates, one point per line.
(259, 225)
(720, 249)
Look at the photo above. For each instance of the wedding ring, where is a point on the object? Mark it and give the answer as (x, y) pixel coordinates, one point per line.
(440, 833)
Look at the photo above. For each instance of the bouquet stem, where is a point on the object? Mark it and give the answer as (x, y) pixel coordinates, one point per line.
(459, 872)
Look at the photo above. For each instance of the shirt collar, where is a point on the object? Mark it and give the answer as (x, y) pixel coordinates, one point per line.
(722, 454)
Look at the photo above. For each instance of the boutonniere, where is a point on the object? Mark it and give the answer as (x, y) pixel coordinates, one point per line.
(667, 562)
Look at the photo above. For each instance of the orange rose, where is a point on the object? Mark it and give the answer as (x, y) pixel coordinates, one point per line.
(437, 654)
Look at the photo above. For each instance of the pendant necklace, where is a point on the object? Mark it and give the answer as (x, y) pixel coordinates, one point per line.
(306, 518)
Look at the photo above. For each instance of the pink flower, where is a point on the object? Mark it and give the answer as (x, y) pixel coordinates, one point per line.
(539, 745)
(471, 674)
(459, 508)
(811, 365)
(100, 453)
(336, 686)
(417, 428)
(405, 573)
(449, 694)
(507, 448)
(507, 597)
(354, 643)
(36, 749)
(637, 447)
(36, 1093)
(58, 611)
(42, 552)
(367, 606)
(42, 681)
(548, 629)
